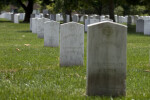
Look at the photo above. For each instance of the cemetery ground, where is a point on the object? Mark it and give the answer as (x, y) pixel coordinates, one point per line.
(28, 70)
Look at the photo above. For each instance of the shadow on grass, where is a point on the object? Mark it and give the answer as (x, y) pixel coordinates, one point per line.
(24, 31)
(132, 30)
(5, 21)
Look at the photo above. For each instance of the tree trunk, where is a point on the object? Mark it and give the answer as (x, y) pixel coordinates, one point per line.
(111, 9)
(28, 9)
(70, 14)
(27, 16)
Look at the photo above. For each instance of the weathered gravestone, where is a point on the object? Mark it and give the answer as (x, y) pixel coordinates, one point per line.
(96, 16)
(53, 17)
(31, 16)
(45, 11)
(94, 21)
(67, 18)
(12, 17)
(22, 16)
(39, 15)
(46, 15)
(130, 20)
(75, 18)
(84, 17)
(34, 25)
(58, 17)
(40, 27)
(16, 18)
(51, 34)
(90, 21)
(106, 59)
(143, 26)
(147, 27)
(87, 22)
(116, 18)
(71, 44)
(140, 25)
(102, 18)
(135, 18)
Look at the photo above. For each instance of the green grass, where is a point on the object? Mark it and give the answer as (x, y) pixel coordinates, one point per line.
(33, 72)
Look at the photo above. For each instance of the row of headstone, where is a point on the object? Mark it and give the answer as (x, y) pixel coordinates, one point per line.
(92, 21)
(106, 52)
(10, 16)
(76, 17)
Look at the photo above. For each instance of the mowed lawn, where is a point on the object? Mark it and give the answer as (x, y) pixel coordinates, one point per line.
(30, 71)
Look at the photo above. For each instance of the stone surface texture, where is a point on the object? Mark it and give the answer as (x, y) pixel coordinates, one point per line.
(51, 34)
(106, 59)
(71, 44)
(40, 27)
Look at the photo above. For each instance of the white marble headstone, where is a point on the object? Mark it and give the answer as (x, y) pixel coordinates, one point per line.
(140, 25)
(34, 25)
(58, 17)
(51, 34)
(71, 44)
(16, 18)
(106, 59)
(147, 27)
(40, 27)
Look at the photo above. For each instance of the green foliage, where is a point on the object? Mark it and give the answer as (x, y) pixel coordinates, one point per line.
(119, 11)
(58, 6)
(50, 8)
(21, 10)
(137, 10)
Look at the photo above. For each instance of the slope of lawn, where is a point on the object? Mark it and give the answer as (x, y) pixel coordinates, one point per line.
(30, 71)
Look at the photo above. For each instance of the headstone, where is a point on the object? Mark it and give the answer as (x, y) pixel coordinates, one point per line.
(12, 17)
(135, 18)
(31, 16)
(68, 18)
(53, 17)
(96, 16)
(147, 27)
(61, 17)
(22, 16)
(116, 18)
(87, 22)
(94, 21)
(90, 17)
(130, 20)
(140, 25)
(75, 18)
(106, 19)
(58, 17)
(106, 59)
(16, 18)
(45, 11)
(34, 25)
(46, 15)
(102, 18)
(107, 16)
(36, 12)
(84, 17)
(51, 34)
(40, 27)
(71, 44)
(38, 15)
